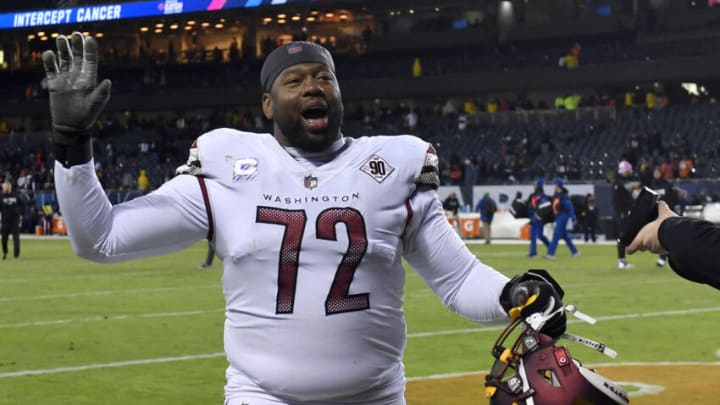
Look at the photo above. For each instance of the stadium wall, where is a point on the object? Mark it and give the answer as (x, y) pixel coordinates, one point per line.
(505, 226)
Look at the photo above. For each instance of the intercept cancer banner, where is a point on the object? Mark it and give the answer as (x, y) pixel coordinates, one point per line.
(120, 11)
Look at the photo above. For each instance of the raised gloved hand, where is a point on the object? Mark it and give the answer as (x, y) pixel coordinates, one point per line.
(76, 100)
(535, 291)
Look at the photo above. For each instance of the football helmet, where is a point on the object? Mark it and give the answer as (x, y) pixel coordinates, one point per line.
(535, 371)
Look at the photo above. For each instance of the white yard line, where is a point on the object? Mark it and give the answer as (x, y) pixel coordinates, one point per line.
(75, 276)
(106, 292)
(455, 331)
(654, 280)
(641, 388)
(656, 314)
(599, 318)
(410, 335)
(110, 365)
(573, 286)
(109, 318)
(160, 360)
(442, 376)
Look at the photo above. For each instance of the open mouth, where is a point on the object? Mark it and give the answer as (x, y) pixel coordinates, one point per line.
(315, 118)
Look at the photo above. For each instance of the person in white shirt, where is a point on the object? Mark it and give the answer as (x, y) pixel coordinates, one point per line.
(310, 226)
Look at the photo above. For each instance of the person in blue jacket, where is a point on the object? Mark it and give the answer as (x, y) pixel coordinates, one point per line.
(536, 223)
(563, 209)
(486, 207)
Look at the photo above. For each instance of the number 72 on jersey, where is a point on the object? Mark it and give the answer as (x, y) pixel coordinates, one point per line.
(338, 299)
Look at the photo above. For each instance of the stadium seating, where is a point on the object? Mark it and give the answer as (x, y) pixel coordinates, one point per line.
(597, 143)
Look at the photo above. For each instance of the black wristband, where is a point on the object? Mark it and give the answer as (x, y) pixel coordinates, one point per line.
(72, 149)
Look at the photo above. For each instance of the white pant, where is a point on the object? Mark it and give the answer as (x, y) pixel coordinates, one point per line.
(246, 392)
(240, 401)
(256, 401)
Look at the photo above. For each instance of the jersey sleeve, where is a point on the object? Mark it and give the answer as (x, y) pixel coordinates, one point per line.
(165, 220)
(693, 246)
(435, 251)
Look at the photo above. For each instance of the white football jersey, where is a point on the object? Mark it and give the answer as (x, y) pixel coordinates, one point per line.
(312, 272)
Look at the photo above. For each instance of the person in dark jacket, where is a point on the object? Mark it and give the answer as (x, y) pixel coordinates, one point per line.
(564, 211)
(451, 205)
(11, 209)
(668, 194)
(486, 207)
(622, 202)
(537, 225)
(691, 244)
(589, 219)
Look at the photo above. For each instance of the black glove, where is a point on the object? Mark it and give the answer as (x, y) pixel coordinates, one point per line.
(535, 291)
(75, 98)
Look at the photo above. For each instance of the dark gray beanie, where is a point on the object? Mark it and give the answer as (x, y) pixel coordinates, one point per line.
(292, 54)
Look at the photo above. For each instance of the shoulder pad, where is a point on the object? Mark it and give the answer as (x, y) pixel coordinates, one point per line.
(192, 166)
(430, 173)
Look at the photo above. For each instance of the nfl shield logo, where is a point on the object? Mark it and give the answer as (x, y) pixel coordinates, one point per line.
(310, 182)
(293, 49)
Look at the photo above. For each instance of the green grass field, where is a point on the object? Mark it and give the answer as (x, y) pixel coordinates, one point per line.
(150, 331)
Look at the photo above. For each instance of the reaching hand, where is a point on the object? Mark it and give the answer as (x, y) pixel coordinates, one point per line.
(75, 98)
(532, 292)
(647, 238)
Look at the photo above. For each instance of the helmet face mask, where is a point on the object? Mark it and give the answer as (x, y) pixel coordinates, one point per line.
(534, 371)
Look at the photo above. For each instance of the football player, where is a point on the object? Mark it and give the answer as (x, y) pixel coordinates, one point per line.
(12, 207)
(311, 228)
(622, 203)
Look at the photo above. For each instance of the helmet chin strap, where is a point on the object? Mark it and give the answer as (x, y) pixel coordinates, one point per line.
(526, 384)
(601, 347)
(538, 319)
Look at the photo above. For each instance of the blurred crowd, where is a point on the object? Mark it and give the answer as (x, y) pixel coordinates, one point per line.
(484, 140)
